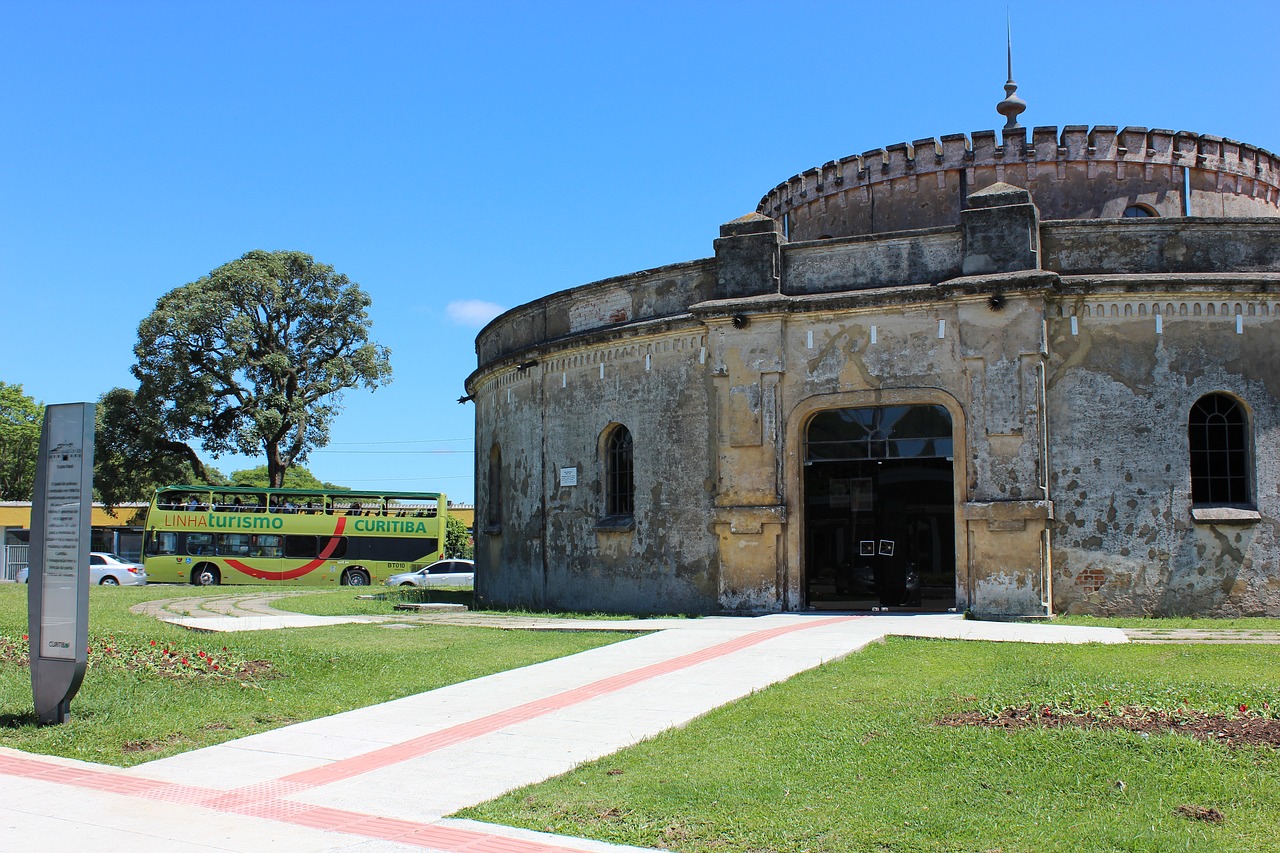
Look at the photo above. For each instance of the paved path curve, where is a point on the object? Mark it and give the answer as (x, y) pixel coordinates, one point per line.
(254, 612)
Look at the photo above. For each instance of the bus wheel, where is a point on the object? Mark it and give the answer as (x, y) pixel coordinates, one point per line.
(355, 577)
(205, 575)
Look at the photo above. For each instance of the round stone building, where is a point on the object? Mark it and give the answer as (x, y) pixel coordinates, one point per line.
(1014, 374)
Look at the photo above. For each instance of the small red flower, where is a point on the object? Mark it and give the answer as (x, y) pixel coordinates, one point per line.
(184, 662)
(1243, 707)
(201, 654)
(215, 666)
(153, 642)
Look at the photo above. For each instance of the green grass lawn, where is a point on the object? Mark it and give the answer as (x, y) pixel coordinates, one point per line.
(847, 758)
(138, 703)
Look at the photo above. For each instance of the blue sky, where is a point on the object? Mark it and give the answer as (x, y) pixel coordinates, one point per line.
(446, 154)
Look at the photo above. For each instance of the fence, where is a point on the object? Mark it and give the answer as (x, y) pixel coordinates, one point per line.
(15, 559)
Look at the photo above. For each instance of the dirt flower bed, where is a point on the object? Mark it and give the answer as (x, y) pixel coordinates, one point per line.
(1245, 727)
(164, 659)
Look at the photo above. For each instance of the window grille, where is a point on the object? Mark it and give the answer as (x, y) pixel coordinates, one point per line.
(1218, 437)
(619, 480)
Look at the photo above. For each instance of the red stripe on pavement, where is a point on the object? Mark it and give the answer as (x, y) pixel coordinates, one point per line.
(396, 753)
(300, 814)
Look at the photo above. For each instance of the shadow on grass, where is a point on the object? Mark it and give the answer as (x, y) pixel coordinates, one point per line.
(427, 595)
(19, 721)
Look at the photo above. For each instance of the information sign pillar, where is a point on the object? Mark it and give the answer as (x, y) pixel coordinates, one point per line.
(58, 579)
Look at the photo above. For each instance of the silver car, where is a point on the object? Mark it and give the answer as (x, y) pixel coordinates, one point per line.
(460, 573)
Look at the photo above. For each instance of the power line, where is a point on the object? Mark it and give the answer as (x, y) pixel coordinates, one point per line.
(400, 452)
(408, 479)
(412, 441)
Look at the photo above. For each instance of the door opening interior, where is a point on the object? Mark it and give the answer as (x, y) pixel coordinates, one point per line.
(879, 509)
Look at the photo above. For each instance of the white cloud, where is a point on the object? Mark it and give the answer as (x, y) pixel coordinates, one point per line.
(472, 312)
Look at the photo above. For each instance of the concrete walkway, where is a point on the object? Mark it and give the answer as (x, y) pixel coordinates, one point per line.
(383, 778)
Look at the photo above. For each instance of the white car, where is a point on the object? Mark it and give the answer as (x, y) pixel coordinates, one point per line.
(106, 570)
(460, 573)
(109, 570)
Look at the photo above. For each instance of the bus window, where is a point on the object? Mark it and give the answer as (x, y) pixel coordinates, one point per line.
(333, 547)
(411, 508)
(392, 549)
(200, 544)
(358, 505)
(264, 545)
(302, 547)
(228, 503)
(233, 544)
(162, 542)
(309, 504)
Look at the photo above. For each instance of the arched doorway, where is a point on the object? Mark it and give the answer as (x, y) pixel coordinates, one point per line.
(879, 509)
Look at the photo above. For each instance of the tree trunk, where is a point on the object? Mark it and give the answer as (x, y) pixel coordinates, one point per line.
(275, 466)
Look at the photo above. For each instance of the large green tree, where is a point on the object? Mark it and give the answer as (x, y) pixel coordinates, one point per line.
(20, 420)
(254, 357)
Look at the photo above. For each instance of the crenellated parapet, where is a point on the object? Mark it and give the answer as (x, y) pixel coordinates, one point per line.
(1073, 173)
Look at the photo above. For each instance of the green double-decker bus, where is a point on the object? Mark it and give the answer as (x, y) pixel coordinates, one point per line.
(208, 535)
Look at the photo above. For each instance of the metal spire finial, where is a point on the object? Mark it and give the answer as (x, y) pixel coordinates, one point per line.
(1012, 106)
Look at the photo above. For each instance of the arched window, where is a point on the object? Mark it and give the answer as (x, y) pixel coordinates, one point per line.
(1218, 438)
(1139, 210)
(619, 473)
(493, 515)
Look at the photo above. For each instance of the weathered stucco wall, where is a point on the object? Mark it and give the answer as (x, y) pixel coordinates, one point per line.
(1159, 245)
(613, 302)
(856, 263)
(1120, 393)
(553, 547)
